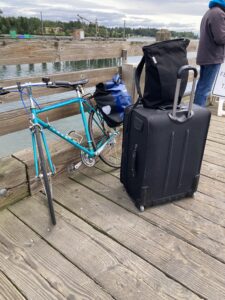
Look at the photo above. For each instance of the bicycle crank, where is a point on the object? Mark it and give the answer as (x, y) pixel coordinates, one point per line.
(87, 161)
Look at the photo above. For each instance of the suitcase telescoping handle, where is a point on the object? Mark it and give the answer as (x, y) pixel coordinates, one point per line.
(183, 69)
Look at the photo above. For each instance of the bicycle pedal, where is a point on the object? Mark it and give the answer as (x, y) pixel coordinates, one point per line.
(74, 167)
(78, 165)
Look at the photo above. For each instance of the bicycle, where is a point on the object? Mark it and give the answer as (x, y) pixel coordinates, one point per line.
(101, 140)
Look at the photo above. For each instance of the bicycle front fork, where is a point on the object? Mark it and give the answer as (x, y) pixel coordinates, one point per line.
(47, 152)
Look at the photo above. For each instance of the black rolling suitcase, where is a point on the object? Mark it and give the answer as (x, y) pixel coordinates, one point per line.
(162, 150)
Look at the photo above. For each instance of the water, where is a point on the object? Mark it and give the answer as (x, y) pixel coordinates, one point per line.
(42, 69)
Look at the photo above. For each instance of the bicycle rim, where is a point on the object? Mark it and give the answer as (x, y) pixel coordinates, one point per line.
(46, 180)
(100, 132)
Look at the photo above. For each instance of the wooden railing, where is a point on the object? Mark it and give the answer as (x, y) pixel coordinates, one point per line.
(16, 171)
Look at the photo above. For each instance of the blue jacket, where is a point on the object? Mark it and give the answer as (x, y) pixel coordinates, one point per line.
(213, 3)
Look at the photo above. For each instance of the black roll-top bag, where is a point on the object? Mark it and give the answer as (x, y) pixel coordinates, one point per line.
(162, 61)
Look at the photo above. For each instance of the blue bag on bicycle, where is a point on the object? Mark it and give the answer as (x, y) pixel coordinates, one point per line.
(112, 98)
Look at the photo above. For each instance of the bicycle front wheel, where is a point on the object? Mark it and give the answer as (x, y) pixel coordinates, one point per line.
(100, 132)
(44, 174)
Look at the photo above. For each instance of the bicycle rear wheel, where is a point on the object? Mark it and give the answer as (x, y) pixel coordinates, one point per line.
(44, 175)
(100, 132)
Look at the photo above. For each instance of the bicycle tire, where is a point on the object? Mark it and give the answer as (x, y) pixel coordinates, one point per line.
(111, 155)
(45, 175)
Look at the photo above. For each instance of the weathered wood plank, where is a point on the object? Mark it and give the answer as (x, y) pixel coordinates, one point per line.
(217, 129)
(216, 158)
(191, 227)
(36, 269)
(62, 154)
(94, 76)
(212, 187)
(8, 290)
(15, 120)
(213, 171)
(218, 138)
(209, 202)
(168, 253)
(119, 271)
(37, 51)
(13, 181)
(208, 207)
(218, 119)
(215, 147)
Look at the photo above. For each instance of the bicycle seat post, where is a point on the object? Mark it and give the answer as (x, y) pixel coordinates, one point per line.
(80, 91)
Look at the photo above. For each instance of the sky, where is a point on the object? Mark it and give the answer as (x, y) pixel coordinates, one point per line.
(178, 15)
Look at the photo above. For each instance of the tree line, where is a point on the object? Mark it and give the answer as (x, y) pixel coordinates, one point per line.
(33, 26)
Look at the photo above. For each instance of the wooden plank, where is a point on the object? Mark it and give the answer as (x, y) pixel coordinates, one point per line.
(119, 271)
(209, 202)
(8, 290)
(217, 129)
(15, 120)
(94, 76)
(62, 154)
(218, 119)
(208, 207)
(168, 253)
(215, 147)
(191, 227)
(218, 138)
(212, 188)
(53, 51)
(213, 171)
(38, 270)
(216, 158)
(13, 181)
(37, 51)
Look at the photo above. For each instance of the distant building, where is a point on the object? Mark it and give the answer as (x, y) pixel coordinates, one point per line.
(78, 34)
(163, 35)
(53, 30)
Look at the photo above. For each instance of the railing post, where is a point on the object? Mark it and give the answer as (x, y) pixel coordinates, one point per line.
(124, 56)
(128, 72)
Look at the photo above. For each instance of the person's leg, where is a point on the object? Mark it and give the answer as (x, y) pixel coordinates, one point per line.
(205, 83)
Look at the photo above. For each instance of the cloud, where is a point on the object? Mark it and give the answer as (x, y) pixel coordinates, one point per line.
(172, 14)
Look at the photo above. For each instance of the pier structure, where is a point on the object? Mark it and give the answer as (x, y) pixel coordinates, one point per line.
(102, 247)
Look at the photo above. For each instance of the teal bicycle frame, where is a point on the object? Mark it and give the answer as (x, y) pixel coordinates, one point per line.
(39, 142)
(36, 121)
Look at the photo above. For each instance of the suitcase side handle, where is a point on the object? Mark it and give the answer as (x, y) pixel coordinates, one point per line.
(133, 160)
(177, 92)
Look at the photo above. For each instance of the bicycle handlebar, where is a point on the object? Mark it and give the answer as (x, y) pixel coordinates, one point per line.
(69, 84)
(45, 83)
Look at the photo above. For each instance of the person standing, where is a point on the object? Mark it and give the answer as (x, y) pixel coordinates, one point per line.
(211, 49)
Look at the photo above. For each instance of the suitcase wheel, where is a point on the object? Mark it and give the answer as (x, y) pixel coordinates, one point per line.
(142, 208)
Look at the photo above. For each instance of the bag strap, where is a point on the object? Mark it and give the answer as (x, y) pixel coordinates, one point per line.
(138, 76)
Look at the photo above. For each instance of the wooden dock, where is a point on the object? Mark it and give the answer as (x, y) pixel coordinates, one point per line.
(103, 248)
